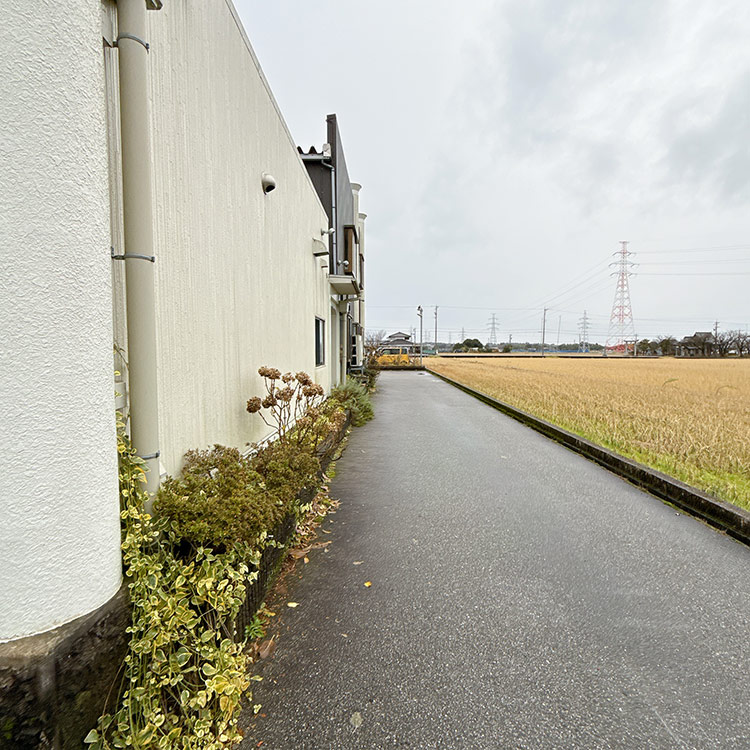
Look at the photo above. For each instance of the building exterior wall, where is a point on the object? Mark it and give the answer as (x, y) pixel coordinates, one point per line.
(59, 518)
(340, 196)
(237, 283)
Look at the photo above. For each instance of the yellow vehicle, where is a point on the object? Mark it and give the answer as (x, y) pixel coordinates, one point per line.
(395, 360)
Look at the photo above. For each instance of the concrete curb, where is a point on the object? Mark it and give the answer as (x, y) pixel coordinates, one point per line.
(401, 367)
(728, 518)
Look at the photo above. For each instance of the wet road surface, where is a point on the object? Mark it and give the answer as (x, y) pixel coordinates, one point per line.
(522, 597)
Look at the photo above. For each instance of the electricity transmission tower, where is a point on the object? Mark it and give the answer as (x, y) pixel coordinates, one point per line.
(621, 326)
(493, 329)
(583, 342)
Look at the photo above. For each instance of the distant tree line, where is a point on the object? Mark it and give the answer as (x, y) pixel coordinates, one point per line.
(717, 344)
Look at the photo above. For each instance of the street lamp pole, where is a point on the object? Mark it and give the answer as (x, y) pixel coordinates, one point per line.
(436, 340)
(419, 312)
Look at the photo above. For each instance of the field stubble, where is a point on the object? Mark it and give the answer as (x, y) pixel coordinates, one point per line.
(687, 418)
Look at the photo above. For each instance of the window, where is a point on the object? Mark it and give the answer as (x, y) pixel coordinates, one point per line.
(320, 342)
(350, 242)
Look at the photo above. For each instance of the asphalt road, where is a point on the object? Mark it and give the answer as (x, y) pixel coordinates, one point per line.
(522, 597)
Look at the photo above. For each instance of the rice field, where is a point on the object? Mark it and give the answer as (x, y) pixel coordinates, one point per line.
(687, 418)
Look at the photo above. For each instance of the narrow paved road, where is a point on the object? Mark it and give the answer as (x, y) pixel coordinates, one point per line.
(522, 597)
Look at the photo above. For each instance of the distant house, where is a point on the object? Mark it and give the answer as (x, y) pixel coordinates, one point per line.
(700, 344)
(398, 343)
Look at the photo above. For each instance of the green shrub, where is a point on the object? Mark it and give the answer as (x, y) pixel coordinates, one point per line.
(286, 469)
(368, 376)
(355, 397)
(221, 500)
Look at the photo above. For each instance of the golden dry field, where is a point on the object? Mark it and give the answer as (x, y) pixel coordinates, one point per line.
(687, 418)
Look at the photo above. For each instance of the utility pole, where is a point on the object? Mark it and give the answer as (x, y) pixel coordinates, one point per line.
(714, 349)
(463, 335)
(436, 339)
(419, 312)
(544, 328)
(510, 340)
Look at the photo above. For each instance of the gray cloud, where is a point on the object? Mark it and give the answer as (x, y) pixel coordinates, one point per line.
(716, 152)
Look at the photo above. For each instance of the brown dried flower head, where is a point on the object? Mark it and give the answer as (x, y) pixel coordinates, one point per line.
(269, 372)
(269, 401)
(287, 377)
(338, 419)
(285, 394)
(303, 378)
(253, 404)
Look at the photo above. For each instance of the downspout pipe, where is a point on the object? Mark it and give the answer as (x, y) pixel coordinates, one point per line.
(135, 126)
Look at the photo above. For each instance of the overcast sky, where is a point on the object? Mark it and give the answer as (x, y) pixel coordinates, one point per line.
(505, 148)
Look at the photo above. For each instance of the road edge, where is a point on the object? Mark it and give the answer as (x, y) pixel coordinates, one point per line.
(730, 519)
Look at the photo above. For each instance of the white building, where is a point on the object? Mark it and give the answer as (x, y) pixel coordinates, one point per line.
(153, 200)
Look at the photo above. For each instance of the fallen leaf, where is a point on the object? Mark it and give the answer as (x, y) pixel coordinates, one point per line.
(306, 560)
(345, 635)
(368, 584)
(292, 604)
(257, 708)
(256, 678)
(319, 545)
(266, 649)
(356, 720)
(358, 562)
(325, 532)
(297, 553)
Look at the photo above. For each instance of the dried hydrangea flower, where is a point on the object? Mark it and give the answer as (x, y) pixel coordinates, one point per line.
(269, 372)
(253, 404)
(285, 394)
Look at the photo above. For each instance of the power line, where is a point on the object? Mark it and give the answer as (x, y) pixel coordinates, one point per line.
(703, 261)
(714, 248)
(697, 273)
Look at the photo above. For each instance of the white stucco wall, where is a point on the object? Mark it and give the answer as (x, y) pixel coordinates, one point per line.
(237, 283)
(59, 525)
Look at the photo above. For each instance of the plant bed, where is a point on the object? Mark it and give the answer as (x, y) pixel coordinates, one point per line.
(273, 555)
(198, 569)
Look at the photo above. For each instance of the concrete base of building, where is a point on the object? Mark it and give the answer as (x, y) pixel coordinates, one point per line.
(54, 686)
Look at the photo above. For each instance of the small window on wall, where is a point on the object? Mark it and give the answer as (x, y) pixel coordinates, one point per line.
(320, 342)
